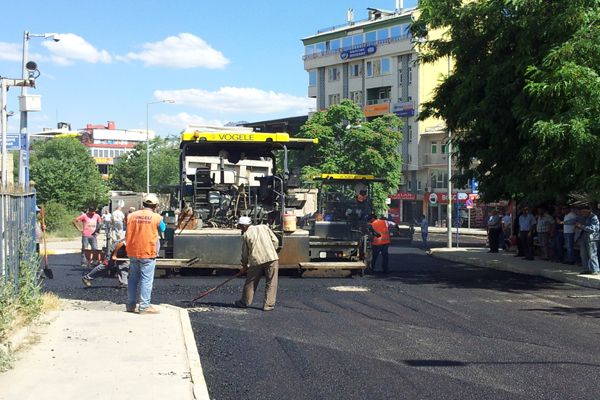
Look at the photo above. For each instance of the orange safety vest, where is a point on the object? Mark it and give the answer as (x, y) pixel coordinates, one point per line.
(142, 233)
(380, 227)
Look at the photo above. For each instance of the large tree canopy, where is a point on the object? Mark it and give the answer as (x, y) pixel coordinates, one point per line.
(523, 99)
(129, 173)
(349, 144)
(64, 172)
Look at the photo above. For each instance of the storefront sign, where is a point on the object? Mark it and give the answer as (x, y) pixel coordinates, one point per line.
(403, 196)
(376, 109)
(103, 160)
(404, 109)
(359, 52)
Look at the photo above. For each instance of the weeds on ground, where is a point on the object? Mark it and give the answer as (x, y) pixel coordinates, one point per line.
(20, 299)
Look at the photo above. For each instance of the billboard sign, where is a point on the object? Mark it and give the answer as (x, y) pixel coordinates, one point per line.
(15, 141)
(359, 52)
(404, 109)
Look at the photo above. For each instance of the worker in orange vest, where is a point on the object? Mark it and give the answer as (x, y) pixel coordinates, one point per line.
(380, 241)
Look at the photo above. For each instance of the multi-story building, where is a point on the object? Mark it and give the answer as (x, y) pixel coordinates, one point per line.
(107, 143)
(373, 62)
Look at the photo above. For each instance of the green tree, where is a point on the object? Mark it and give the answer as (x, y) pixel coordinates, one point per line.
(523, 97)
(350, 144)
(129, 173)
(64, 172)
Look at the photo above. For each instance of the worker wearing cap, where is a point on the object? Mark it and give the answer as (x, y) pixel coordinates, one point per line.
(142, 249)
(259, 252)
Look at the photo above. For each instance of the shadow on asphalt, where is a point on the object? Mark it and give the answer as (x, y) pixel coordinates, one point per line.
(590, 312)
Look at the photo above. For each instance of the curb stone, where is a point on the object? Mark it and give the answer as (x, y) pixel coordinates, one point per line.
(200, 390)
(18, 338)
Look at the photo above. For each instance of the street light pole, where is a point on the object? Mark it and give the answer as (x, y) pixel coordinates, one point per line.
(449, 154)
(148, 140)
(24, 166)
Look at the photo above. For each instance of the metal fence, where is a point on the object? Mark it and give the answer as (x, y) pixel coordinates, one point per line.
(17, 229)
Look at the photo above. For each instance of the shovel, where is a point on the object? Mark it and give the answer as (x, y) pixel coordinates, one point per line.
(47, 271)
(209, 291)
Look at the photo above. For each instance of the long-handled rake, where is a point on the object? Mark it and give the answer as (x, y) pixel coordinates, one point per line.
(209, 291)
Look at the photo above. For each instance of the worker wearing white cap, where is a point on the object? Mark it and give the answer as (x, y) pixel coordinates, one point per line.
(259, 252)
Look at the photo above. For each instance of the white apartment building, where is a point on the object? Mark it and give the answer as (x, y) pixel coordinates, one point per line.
(373, 63)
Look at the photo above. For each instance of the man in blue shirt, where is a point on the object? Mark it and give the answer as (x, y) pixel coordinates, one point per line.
(590, 233)
(526, 225)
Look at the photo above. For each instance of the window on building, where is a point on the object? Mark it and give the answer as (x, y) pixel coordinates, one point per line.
(312, 78)
(444, 147)
(369, 69)
(357, 96)
(434, 145)
(383, 34)
(320, 48)
(419, 185)
(334, 99)
(347, 42)
(310, 49)
(355, 70)
(334, 44)
(439, 179)
(405, 30)
(371, 37)
(409, 185)
(396, 32)
(410, 133)
(333, 73)
(410, 75)
(357, 40)
(385, 66)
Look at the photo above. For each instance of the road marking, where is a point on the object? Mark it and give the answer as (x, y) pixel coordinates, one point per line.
(349, 288)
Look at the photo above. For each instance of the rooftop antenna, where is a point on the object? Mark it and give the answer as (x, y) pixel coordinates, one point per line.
(350, 15)
(399, 6)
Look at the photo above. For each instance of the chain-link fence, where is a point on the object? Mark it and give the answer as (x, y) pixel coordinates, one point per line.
(17, 229)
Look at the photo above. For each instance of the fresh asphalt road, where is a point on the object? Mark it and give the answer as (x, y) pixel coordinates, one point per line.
(432, 329)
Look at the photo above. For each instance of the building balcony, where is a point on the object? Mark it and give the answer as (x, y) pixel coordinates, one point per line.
(434, 160)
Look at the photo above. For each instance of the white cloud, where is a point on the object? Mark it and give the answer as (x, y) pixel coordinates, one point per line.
(179, 121)
(241, 101)
(11, 51)
(72, 48)
(182, 51)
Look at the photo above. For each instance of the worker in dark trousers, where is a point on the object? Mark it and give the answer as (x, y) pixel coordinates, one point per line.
(121, 267)
(380, 242)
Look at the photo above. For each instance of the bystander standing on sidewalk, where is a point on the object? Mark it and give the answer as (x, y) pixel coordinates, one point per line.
(544, 226)
(89, 229)
(107, 222)
(590, 234)
(517, 232)
(494, 228)
(506, 230)
(424, 224)
(526, 226)
(557, 234)
(569, 231)
(142, 249)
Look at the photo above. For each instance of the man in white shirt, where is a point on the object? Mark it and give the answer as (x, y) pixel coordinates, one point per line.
(544, 226)
(569, 229)
(118, 218)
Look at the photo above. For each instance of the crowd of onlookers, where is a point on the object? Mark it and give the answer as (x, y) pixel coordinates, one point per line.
(560, 233)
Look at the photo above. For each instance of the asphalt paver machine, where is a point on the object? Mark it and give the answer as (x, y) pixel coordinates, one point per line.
(339, 234)
(226, 173)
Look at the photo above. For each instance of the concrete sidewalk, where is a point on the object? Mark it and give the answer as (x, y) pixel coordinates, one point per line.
(68, 246)
(461, 231)
(508, 262)
(96, 350)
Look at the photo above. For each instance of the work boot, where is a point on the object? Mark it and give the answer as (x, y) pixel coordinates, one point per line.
(149, 310)
(87, 282)
(240, 304)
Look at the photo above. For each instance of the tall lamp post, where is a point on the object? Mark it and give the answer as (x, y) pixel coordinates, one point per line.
(449, 152)
(148, 140)
(24, 154)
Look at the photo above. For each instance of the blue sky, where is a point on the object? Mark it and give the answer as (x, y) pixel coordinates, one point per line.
(220, 61)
